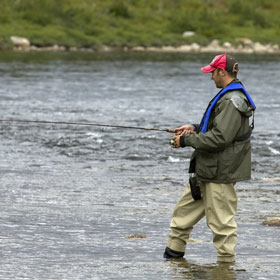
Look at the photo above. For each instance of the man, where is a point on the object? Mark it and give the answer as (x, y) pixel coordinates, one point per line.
(221, 158)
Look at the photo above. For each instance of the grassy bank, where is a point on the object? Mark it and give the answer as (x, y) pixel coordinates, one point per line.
(91, 23)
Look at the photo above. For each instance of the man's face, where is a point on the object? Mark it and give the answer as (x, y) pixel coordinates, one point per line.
(217, 77)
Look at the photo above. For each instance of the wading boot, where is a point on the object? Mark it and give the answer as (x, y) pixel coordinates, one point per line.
(171, 254)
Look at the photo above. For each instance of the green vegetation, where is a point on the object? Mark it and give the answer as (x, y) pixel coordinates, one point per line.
(91, 23)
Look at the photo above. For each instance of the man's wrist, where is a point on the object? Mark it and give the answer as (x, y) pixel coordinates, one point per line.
(195, 127)
(182, 141)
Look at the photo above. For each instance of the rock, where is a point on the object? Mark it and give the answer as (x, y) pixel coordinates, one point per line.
(271, 48)
(20, 42)
(184, 48)
(275, 47)
(259, 48)
(112, 49)
(192, 240)
(137, 235)
(187, 34)
(57, 48)
(153, 49)
(245, 41)
(213, 47)
(227, 45)
(168, 49)
(53, 48)
(275, 179)
(195, 47)
(33, 48)
(239, 47)
(88, 50)
(138, 49)
(272, 222)
(214, 44)
(73, 49)
(246, 50)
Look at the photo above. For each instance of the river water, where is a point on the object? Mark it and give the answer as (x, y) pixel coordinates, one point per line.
(71, 196)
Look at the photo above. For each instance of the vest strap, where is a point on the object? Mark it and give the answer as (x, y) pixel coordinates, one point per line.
(203, 127)
(244, 136)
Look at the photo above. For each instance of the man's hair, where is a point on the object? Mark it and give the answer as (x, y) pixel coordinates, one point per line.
(232, 66)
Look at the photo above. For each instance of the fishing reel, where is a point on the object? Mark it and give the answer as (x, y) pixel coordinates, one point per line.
(173, 143)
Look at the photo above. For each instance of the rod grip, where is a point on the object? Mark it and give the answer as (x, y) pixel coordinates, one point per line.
(171, 130)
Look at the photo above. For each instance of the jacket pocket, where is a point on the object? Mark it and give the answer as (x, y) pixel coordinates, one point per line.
(206, 165)
(237, 157)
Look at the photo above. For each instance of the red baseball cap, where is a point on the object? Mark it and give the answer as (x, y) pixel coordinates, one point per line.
(222, 61)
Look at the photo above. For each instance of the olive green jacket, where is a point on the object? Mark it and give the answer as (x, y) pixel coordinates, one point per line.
(218, 157)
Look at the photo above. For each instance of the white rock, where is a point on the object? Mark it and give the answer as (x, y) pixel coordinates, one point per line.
(239, 47)
(138, 49)
(245, 41)
(55, 48)
(195, 47)
(105, 48)
(214, 44)
(88, 50)
(269, 48)
(34, 48)
(187, 34)
(259, 48)
(168, 49)
(184, 48)
(73, 49)
(20, 41)
(213, 47)
(227, 45)
(153, 49)
(275, 179)
(247, 50)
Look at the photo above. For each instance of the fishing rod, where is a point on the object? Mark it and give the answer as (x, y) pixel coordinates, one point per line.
(87, 124)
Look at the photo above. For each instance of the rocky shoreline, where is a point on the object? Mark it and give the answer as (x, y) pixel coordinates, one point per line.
(243, 45)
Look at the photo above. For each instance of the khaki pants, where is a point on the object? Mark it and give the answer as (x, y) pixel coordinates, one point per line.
(218, 204)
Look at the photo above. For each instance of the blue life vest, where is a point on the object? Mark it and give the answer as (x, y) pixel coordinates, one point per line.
(203, 127)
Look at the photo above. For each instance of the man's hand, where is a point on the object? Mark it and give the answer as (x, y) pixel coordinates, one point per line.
(175, 141)
(185, 129)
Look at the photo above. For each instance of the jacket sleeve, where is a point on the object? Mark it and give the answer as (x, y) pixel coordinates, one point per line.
(226, 123)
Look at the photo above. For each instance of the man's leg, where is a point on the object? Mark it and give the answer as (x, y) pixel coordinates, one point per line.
(186, 214)
(220, 208)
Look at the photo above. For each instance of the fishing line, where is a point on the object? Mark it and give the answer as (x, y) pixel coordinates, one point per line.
(86, 124)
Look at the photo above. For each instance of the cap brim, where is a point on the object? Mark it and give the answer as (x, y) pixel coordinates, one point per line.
(207, 69)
